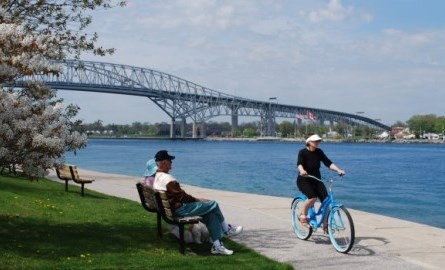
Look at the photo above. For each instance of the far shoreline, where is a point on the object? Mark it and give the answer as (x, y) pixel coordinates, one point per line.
(266, 139)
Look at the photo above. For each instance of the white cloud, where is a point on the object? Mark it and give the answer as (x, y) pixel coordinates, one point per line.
(334, 11)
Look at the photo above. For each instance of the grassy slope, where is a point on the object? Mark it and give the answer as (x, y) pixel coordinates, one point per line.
(44, 227)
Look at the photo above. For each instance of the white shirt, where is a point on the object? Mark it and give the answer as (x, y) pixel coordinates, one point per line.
(161, 180)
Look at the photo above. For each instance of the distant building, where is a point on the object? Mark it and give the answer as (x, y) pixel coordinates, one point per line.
(402, 134)
(409, 137)
(332, 134)
(384, 135)
(430, 136)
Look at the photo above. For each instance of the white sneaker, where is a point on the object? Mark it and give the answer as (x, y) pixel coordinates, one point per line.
(221, 250)
(233, 230)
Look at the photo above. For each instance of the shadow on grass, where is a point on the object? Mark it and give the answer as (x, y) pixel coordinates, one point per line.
(95, 223)
(18, 187)
(30, 237)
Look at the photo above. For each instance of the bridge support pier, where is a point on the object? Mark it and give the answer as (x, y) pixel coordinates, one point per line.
(234, 122)
(183, 127)
(172, 128)
(199, 130)
(269, 124)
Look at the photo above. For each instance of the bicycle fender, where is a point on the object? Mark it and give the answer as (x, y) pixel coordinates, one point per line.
(299, 196)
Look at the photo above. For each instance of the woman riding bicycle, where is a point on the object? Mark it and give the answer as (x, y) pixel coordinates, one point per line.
(308, 163)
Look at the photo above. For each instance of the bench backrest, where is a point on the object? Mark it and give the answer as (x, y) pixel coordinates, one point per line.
(74, 172)
(147, 196)
(64, 172)
(166, 209)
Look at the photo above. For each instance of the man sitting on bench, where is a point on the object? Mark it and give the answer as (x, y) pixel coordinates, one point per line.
(186, 205)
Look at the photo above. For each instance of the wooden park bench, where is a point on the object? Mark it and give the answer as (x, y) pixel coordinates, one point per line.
(156, 201)
(69, 172)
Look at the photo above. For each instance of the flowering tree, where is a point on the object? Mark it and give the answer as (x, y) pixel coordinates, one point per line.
(35, 130)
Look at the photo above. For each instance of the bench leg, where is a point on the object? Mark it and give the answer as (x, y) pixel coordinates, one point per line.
(159, 225)
(181, 238)
(82, 188)
(66, 185)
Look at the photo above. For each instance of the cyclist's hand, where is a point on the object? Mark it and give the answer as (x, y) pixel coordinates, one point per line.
(341, 172)
(303, 173)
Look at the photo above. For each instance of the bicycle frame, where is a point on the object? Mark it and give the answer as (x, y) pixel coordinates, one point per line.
(327, 205)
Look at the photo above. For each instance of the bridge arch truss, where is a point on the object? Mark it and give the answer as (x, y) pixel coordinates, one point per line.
(181, 99)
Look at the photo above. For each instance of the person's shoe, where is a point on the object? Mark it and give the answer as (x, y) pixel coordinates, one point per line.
(233, 230)
(221, 250)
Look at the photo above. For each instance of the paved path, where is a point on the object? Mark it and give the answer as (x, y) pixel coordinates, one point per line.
(381, 242)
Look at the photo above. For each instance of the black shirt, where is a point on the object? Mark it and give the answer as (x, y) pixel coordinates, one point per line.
(311, 160)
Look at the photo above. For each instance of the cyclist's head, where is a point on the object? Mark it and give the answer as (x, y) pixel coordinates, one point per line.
(313, 138)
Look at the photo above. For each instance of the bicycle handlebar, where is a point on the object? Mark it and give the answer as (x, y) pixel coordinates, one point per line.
(316, 178)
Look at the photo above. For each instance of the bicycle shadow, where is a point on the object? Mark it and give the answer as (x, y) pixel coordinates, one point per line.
(283, 245)
(358, 249)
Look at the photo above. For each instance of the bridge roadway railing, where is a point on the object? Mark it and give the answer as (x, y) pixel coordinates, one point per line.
(178, 98)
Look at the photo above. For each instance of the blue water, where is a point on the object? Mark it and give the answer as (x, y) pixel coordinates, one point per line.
(399, 180)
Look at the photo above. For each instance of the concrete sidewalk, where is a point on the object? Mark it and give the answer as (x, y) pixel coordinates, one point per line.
(381, 242)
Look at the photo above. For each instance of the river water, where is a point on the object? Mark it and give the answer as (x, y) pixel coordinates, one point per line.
(399, 180)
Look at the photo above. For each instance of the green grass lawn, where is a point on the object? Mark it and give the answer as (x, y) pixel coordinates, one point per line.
(44, 227)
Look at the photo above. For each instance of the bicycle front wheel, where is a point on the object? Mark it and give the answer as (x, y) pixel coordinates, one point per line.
(341, 229)
(303, 231)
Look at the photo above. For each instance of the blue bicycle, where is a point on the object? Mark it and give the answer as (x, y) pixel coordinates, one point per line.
(331, 215)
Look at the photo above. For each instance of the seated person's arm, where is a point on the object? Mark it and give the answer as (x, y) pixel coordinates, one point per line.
(177, 195)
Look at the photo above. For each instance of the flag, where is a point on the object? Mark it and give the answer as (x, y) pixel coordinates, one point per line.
(311, 116)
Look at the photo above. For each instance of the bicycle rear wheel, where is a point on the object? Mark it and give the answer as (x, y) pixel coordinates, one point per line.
(341, 229)
(303, 231)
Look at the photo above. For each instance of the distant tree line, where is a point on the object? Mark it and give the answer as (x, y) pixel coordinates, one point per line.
(418, 124)
(429, 123)
(286, 129)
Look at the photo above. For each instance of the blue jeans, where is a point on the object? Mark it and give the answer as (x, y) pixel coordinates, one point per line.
(209, 211)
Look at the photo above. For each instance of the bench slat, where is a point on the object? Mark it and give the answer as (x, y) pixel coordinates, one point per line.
(149, 198)
(64, 172)
(76, 177)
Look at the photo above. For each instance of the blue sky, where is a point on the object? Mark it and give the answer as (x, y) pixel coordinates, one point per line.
(385, 58)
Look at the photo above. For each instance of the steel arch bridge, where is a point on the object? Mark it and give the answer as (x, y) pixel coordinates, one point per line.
(181, 99)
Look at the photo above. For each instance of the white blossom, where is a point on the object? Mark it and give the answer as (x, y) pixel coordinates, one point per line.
(34, 140)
